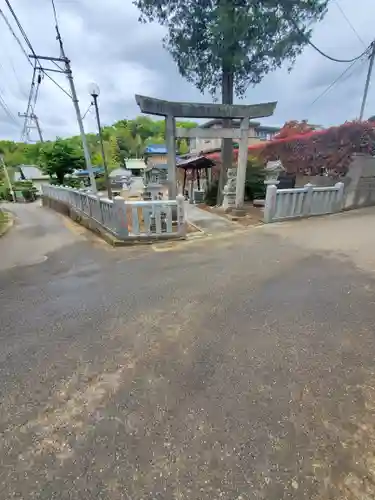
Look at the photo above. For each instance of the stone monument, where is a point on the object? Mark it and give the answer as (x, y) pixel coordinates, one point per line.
(229, 201)
(273, 169)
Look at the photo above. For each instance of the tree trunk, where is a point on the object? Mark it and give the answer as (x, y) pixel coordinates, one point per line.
(227, 144)
(60, 179)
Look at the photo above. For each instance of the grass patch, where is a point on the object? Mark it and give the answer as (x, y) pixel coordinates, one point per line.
(4, 218)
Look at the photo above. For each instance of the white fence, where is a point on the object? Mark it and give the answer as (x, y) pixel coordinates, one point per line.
(282, 204)
(125, 219)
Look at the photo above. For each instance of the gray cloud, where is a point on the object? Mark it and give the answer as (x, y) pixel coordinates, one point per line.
(107, 44)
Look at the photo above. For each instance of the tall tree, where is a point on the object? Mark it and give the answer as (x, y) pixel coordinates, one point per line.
(59, 158)
(113, 153)
(231, 44)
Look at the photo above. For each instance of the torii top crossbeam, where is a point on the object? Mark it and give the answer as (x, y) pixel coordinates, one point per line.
(153, 106)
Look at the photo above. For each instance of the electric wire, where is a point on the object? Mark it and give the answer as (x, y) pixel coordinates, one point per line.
(15, 36)
(350, 23)
(334, 59)
(28, 43)
(337, 80)
(32, 49)
(87, 110)
(7, 111)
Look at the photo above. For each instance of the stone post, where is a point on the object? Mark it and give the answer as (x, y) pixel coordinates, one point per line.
(181, 218)
(340, 196)
(225, 197)
(81, 195)
(270, 203)
(229, 200)
(307, 204)
(121, 222)
(242, 163)
(170, 134)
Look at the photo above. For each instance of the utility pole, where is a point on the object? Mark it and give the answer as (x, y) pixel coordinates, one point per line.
(7, 178)
(68, 72)
(367, 84)
(33, 117)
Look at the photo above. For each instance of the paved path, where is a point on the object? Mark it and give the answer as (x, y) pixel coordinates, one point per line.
(236, 368)
(209, 222)
(36, 232)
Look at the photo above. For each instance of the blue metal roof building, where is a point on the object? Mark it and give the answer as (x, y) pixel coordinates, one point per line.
(156, 149)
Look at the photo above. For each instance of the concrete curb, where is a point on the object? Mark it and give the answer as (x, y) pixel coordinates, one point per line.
(7, 225)
(200, 232)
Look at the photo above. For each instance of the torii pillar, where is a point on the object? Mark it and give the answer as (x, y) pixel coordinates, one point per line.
(170, 110)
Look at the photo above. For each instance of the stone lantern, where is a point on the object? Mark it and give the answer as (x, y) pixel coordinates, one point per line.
(273, 170)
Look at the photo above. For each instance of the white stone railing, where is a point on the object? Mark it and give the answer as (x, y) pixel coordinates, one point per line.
(125, 219)
(282, 204)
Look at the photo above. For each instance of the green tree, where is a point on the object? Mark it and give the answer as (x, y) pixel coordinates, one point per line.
(113, 154)
(182, 146)
(59, 158)
(125, 142)
(96, 159)
(124, 139)
(231, 44)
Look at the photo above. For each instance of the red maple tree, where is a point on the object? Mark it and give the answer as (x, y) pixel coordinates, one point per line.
(307, 152)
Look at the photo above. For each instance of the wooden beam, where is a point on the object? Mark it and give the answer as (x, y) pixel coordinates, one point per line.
(203, 110)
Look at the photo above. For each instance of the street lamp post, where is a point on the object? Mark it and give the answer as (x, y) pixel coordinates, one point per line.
(94, 92)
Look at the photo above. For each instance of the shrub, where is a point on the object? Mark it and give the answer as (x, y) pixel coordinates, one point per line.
(211, 194)
(28, 194)
(101, 184)
(4, 192)
(254, 184)
(72, 182)
(20, 185)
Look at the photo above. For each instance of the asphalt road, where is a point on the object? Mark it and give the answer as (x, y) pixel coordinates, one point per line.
(233, 368)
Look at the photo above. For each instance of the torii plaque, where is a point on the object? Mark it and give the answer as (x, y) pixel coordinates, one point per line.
(172, 110)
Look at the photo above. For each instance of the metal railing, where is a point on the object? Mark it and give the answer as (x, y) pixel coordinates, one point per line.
(125, 219)
(282, 204)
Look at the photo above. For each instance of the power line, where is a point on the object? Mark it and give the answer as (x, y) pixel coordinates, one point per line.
(87, 110)
(350, 24)
(37, 63)
(8, 112)
(307, 39)
(57, 84)
(60, 68)
(28, 43)
(15, 36)
(30, 46)
(15, 75)
(337, 80)
(333, 58)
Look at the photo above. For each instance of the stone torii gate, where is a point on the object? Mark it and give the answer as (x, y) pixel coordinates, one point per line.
(171, 110)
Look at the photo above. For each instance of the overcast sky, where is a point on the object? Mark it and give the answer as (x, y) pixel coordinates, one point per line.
(106, 44)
